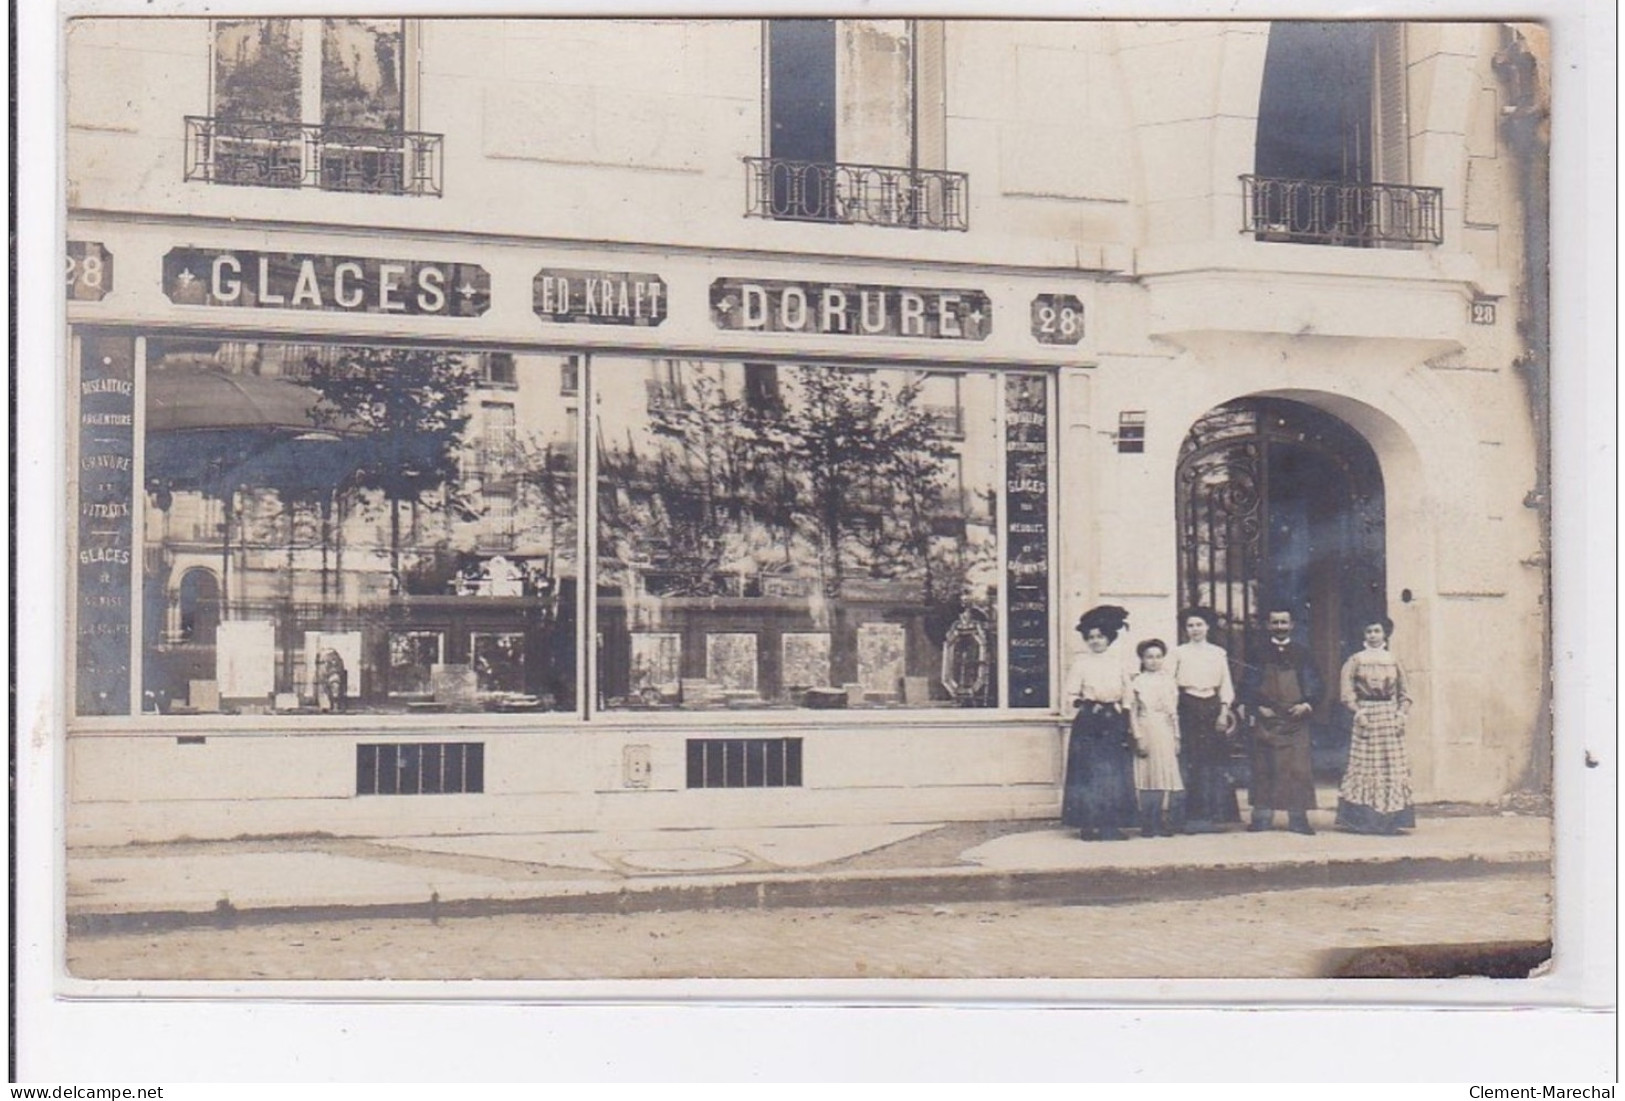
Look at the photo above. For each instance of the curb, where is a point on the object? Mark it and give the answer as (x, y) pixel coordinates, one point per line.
(1072, 886)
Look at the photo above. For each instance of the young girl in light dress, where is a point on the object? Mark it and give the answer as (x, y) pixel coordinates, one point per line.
(1154, 720)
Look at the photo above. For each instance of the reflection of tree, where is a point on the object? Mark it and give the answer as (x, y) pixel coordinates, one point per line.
(544, 475)
(868, 462)
(260, 80)
(346, 99)
(851, 468)
(687, 510)
(701, 474)
(404, 411)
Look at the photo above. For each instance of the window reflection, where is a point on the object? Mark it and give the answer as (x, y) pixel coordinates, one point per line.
(337, 527)
(791, 535)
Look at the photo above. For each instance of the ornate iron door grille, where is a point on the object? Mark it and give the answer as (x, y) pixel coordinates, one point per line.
(1279, 502)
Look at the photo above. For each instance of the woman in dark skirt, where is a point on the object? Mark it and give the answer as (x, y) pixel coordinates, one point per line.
(1206, 695)
(1098, 799)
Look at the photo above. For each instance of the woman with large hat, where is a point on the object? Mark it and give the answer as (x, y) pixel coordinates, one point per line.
(1098, 798)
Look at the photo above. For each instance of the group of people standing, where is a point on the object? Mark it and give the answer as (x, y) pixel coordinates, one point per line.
(1153, 749)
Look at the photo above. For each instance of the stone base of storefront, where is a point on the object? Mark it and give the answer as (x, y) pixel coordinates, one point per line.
(145, 787)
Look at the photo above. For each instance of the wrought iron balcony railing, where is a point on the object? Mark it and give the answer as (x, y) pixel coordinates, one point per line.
(856, 194)
(254, 153)
(1330, 212)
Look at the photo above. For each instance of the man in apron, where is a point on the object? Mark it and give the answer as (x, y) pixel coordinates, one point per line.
(1281, 689)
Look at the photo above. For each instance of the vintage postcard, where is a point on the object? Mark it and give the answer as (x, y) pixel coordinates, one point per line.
(876, 505)
(806, 499)
(594, 474)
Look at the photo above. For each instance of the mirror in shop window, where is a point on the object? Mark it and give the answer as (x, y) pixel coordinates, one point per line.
(798, 535)
(342, 528)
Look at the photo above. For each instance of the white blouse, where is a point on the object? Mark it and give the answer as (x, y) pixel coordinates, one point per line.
(1102, 678)
(1203, 669)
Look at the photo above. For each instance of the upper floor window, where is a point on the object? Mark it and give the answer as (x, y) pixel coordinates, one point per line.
(854, 111)
(1332, 159)
(312, 103)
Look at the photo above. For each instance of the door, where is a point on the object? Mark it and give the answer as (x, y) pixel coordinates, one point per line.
(1281, 506)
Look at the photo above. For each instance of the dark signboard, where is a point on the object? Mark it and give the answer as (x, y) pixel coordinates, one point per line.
(573, 297)
(1057, 319)
(850, 309)
(89, 271)
(1026, 502)
(106, 459)
(343, 284)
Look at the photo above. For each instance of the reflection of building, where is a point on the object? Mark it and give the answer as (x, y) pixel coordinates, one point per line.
(451, 349)
(264, 506)
(728, 511)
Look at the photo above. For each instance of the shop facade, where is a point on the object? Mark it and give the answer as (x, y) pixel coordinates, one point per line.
(456, 452)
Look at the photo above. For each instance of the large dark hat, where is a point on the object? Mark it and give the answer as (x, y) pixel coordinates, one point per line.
(1109, 618)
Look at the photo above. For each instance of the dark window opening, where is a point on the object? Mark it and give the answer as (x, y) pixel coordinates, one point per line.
(801, 110)
(856, 126)
(1332, 158)
(497, 370)
(1131, 433)
(1314, 118)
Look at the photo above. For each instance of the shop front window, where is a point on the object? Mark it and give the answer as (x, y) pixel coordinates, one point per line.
(332, 528)
(797, 535)
(315, 539)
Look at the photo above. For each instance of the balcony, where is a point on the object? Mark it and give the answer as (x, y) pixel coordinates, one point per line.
(248, 153)
(1351, 215)
(856, 194)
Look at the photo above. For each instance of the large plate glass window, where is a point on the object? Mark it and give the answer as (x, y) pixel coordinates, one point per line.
(797, 535)
(348, 528)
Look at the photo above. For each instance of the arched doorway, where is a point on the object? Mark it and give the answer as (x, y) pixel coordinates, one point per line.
(1281, 504)
(199, 600)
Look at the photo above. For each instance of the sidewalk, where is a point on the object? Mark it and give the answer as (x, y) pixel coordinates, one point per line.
(148, 887)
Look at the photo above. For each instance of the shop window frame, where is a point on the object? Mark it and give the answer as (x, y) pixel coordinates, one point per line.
(588, 713)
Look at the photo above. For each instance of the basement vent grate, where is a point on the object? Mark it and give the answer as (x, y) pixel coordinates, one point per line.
(420, 768)
(744, 762)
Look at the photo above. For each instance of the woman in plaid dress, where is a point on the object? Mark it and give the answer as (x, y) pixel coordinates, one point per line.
(1376, 793)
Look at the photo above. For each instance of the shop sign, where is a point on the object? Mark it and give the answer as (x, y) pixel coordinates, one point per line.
(1026, 503)
(89, 271)
(343, 284)
(106, 493)
(1057, 319)
(850, 309)
(572, 297)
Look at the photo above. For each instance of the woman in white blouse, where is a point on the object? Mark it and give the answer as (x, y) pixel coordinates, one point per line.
(1206, 696)
(1098, 797)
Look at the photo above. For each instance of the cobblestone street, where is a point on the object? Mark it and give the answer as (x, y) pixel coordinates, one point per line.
(1282, 934)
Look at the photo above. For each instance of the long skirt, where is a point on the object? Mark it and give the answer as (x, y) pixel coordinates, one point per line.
(1210, 795)
(1375, 796)
(1099, 791)
(1158, 770)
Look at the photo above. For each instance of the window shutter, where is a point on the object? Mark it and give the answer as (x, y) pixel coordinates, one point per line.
(873, 78)
(1388, 109)
(930, 95)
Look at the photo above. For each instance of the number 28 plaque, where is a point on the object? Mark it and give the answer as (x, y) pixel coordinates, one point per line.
(1057, 319)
